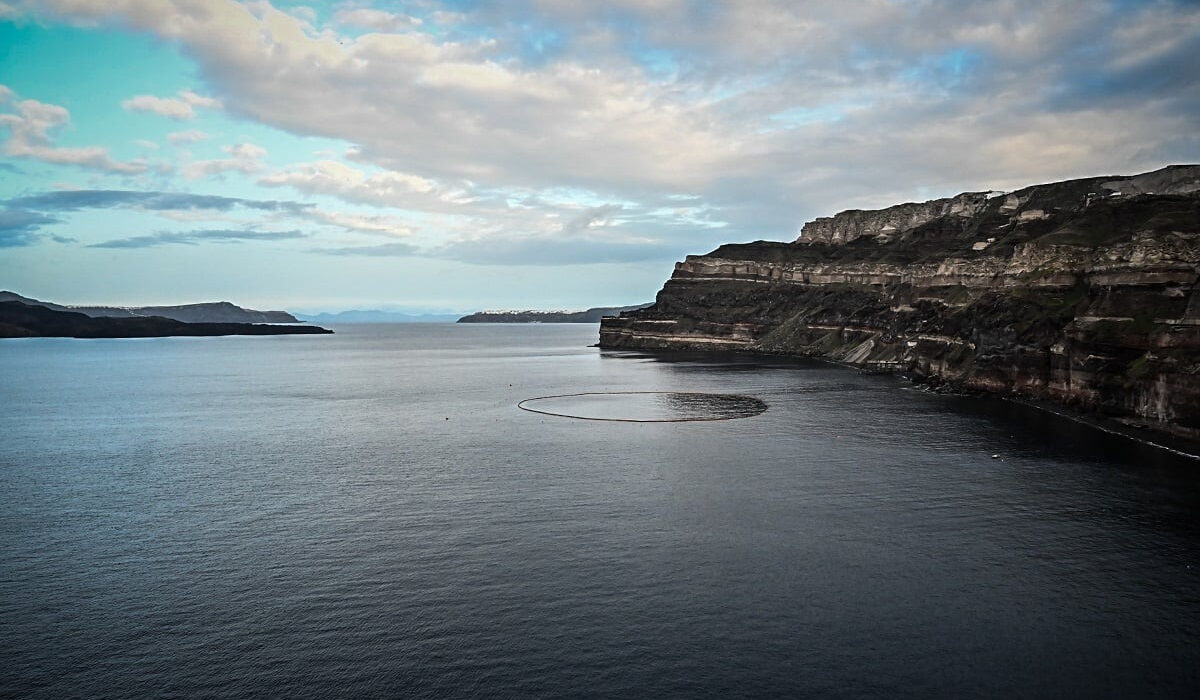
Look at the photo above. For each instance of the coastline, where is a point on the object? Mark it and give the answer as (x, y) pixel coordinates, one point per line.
(1170, 443)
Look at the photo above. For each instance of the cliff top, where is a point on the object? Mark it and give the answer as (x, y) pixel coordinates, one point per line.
(1086, 213)
(1026, 204)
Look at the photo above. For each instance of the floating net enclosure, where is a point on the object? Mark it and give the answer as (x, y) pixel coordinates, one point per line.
(646, 406)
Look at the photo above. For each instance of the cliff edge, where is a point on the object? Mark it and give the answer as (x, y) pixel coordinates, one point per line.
(1081, 292)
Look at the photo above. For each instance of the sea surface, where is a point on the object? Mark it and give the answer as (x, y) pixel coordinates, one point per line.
(369, 514)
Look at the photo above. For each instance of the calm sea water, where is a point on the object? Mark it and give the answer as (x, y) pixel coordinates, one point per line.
(369, 514)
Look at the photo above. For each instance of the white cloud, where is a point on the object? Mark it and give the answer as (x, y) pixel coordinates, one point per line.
(196, 100)
(30, 137)
(365, 223)
(170, 107)
(244, 158)
(180, 138)
(769, 111)
(378, 20)
(388, 188)
(246, 151)
(179, 108)
(443, 109)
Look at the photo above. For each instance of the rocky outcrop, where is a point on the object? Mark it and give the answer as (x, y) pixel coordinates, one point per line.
(19, 320)
(206, 312)
(885, 223)
(1081, 292)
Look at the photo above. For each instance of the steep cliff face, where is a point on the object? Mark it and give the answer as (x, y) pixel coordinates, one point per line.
(1082, 292)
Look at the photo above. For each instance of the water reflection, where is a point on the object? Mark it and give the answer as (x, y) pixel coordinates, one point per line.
(646, 406)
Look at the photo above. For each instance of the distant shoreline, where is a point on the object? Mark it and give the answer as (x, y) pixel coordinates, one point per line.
(19, 320)
(592, 315)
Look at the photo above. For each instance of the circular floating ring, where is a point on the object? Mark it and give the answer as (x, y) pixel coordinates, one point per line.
(646, 406)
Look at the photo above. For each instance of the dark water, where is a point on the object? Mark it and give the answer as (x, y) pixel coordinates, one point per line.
(369, 514)
(647, 406)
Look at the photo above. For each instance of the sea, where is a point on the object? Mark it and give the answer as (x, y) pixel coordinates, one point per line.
(370, 514)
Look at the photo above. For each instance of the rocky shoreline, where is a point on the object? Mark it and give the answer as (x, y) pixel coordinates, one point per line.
(1081, 294)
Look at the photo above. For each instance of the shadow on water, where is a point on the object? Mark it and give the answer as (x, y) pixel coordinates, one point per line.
(1048, 430)
(726, 361)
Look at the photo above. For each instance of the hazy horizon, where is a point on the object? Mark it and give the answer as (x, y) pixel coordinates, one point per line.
(455, 156)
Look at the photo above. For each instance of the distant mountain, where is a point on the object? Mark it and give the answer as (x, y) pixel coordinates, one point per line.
(376, 316)
(592, 315)
(209, 312)
(20, 320)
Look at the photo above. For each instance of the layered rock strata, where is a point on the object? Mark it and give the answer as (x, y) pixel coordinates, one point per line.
(1081, 292)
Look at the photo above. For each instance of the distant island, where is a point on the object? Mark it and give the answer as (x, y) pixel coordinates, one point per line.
(21, 320)
(592, 315)
(376, 316)
(208, 312)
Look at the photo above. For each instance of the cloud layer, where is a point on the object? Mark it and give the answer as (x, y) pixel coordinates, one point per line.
(813, 101)
(195, 237)
(20, 228)
(30, 135)
(179, 108)
(558, 132)
(75, 200)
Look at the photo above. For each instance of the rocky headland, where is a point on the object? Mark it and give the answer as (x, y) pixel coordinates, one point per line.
(21, 320)
(1081, 293)
(206, 312)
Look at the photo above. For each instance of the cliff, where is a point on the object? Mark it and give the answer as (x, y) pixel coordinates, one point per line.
(1081, 292)
(207, 312)
(592, 315)
(19, 320)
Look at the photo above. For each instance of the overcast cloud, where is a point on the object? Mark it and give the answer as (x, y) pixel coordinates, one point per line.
(681, 96)
(195, 237)
(558, 131)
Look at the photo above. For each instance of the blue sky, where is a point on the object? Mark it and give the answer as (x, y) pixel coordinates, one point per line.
(453, 156)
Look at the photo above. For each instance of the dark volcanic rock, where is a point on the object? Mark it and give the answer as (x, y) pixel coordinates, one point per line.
(1082, 293)
(207, 312)
(18, 320)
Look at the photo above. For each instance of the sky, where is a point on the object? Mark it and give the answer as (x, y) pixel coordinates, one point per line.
(453, 156)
